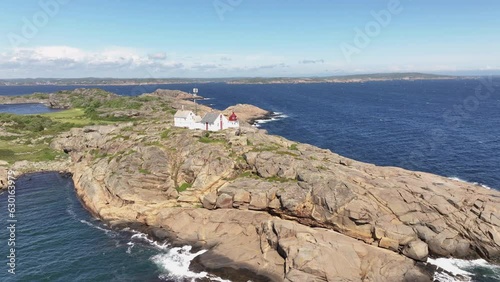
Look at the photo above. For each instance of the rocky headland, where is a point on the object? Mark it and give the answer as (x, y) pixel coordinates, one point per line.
(282, 210)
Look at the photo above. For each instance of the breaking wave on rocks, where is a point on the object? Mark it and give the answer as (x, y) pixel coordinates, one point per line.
(175, 265)
(473, 183)
(173, 262)
(455, 270)
(273, 117)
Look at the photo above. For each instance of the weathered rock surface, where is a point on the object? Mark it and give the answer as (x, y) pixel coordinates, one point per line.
(391, 211)
(268, 245)
(176, 94)
(247, 113)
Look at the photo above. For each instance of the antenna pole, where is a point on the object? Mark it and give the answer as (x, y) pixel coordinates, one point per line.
(195, 91)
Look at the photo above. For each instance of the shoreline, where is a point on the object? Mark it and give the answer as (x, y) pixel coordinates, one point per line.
(263, 81)
(241, 273)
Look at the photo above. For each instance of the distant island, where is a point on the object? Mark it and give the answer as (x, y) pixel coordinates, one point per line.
(89, 81)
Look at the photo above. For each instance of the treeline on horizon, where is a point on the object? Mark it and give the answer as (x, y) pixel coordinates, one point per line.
(114, 81)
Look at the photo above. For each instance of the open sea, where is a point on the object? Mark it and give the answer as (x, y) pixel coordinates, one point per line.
(446, 127)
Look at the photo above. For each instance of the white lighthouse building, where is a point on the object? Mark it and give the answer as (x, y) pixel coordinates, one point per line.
(213, 121)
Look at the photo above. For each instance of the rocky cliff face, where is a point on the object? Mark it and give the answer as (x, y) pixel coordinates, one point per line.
(284, 210)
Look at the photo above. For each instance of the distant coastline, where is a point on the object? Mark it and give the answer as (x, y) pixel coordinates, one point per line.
(91, 81)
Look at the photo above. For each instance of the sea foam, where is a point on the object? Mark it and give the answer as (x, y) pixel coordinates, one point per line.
(173, 262)
(175, 265)
(274, 117)
(473, 183)
(462, 270)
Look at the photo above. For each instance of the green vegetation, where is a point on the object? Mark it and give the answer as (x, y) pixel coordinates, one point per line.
(97, 154)
(293, 147)
(207, 139)
(124, 137)
(287, 153)
(251, 174)
(322, 167)
(144, 171)
(31, 134)
(122, 103)
(12, 152)
(74, 116)
(28, 137)
(166, 133)
(31, 124)
(263, 148)
(183, 187)
(279, 179)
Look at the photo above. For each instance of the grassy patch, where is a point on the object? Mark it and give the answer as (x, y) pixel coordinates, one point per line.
(97, 154)
(287, 153)
(124, 137)
(12, 152)
(74, 116)
(166, 133)
(293, 147)
(183, 187)
(264, 148)
(122, 103)
(278, 179)
(144, 171)
(321, 167)
(248, 174)
(205, 139)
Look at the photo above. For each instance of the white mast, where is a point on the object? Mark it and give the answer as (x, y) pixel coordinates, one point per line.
(195, 91)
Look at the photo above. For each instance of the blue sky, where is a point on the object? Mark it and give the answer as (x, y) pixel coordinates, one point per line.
(229, 38)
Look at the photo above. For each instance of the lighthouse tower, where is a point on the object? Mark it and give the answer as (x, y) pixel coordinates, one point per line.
(233, 121)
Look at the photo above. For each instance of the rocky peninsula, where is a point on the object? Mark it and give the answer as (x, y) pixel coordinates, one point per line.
(280, 210)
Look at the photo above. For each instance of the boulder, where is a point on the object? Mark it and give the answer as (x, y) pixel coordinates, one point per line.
(416, 250)
(224, 201)
(209, 201)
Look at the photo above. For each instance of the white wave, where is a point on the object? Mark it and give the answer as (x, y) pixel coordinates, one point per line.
(473, 183)
(130, 246)
(175, 264)
(108, 232)
(448, 265)
(276, 116)
(144, 237)
(71, 212)
(460, 267)
(280, 115)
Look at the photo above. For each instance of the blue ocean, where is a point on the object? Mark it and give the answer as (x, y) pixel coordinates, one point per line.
(446, 127)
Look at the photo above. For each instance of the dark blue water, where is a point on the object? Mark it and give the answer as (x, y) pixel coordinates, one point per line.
(23, 109)
(58, 240)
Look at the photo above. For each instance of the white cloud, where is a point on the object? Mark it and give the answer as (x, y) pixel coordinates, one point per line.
(320, 61)
(55, 60)
(67, 61)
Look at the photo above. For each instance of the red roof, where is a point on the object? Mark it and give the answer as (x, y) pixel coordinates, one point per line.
(233, 117)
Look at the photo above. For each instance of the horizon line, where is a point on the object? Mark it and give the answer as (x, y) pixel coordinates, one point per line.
(261, 77)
